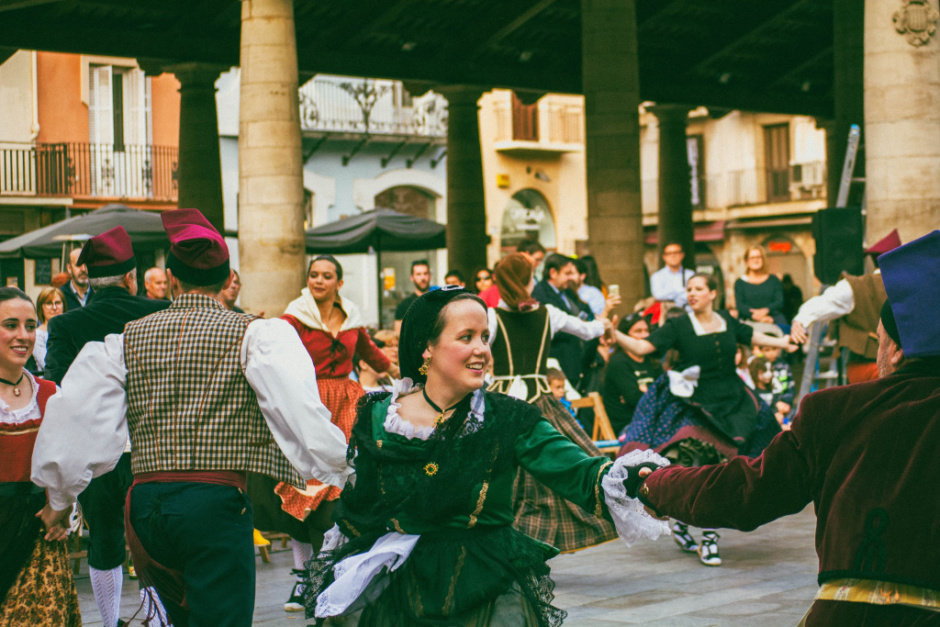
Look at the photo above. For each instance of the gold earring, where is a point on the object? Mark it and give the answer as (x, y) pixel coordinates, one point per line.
(423, 370)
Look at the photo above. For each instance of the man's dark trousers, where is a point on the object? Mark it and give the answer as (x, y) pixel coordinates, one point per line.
(204, 530)
(103, 508)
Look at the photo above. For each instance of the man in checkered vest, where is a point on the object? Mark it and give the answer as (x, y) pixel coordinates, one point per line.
(206, 395)
(112, 272)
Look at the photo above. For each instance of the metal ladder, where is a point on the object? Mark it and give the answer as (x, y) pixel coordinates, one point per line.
(835, 373)
(848, 169)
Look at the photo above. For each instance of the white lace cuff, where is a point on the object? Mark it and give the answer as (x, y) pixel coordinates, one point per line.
(630, 517)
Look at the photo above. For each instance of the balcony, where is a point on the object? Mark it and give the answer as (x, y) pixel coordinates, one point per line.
(731, 193)
(799, 182)
(89, 170)
(552, 126)
(333, 104)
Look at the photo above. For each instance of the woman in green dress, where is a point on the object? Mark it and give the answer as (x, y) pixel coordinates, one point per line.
(424, 531)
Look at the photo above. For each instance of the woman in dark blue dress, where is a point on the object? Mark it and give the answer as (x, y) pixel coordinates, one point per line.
(701, 411)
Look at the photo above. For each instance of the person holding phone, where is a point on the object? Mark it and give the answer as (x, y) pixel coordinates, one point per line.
(590, 294)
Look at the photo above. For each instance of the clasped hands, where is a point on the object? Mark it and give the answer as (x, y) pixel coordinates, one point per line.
(56, 522)
(636, 475)
(798, 332)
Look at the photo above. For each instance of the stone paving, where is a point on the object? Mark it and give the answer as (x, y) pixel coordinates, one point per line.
(768, 577)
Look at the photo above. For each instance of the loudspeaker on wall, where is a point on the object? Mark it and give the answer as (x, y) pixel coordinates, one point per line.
(838, 234)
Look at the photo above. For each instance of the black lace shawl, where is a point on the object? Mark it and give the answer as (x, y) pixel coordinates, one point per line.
(464, 451)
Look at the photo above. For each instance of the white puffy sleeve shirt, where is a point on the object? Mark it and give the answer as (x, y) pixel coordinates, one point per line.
(85, 425)
(836, 301)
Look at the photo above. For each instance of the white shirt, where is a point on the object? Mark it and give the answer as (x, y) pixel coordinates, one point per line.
(835, 302)
(82, 298)
(39, 348)
(85, 425)
(593, 298)
(668, 285)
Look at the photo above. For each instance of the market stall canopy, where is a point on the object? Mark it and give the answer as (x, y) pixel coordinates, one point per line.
(382, 230)
(144, 227)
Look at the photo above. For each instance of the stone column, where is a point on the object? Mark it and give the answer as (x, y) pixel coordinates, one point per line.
(902, 119)
(270, 169)
(200, 166)
(848, 92)
(466, 208)
(610, 76)
(675, 187)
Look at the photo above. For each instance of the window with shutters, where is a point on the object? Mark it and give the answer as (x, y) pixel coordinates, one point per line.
(120, 132)
(777, 162)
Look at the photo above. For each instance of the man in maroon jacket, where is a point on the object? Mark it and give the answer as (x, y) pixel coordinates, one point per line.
(866, 455)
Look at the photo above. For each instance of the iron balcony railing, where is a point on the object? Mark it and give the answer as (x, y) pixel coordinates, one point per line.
(751, 186)
(549, 121)
(374, 106)
(799, 181)
(91, 170)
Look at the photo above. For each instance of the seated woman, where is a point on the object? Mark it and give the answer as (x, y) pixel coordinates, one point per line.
(50, 304)
(701, 411)
(424, 532)
(36, 585)
(628, 375)
(758, 295)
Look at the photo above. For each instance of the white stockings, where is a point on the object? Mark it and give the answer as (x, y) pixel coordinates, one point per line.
(303, 553)
(106, 585)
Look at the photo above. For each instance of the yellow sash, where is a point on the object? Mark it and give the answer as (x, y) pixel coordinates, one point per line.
(879, 593)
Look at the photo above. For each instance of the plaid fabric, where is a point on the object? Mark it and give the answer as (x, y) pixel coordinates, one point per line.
(190, 406)
(545, 516)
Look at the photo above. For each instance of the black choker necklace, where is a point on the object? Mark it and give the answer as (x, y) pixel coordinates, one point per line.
(16, 386)
(434, 405)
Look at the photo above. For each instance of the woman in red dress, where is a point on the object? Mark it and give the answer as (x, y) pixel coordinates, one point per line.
(36, 587)
(332, 330)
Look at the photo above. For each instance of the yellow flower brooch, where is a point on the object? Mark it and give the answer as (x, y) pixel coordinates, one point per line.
(431, 469)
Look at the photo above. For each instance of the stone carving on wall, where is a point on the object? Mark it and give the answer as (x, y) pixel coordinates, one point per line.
(309, 113)
(430, 115)
(916, 19)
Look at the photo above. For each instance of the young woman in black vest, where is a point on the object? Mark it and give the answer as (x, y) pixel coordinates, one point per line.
(521, 331)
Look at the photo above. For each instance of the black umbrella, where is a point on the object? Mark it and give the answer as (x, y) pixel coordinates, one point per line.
(378, 230)
(144, 227)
